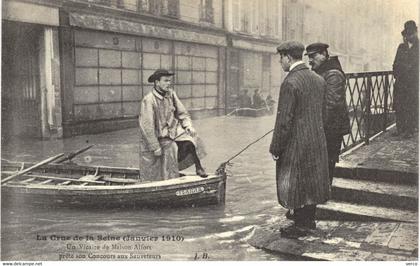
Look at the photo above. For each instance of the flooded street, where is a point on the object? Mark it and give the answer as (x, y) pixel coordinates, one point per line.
(220, 232)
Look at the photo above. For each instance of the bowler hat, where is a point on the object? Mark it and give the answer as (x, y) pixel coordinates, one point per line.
(158, 74)
(291, 46)
(409, 28)
(316, 48)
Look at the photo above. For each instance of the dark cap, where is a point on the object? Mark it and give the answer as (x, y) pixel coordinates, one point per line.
(316, 48)
(409, 28)
(291, 46)
(158, 74)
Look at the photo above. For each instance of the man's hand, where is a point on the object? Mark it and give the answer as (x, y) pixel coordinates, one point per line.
(191, 131)
(275, 158)
(158, 152)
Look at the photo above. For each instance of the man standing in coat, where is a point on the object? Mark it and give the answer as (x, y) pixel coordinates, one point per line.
(406, 87)
(298, 145)
(166, 132)
(336, 115)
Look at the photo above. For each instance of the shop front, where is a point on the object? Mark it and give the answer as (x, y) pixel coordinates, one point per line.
(252, 66)
(106, 71)
(30, 76)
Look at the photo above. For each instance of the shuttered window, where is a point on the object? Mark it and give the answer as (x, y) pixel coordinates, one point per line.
(196, 80)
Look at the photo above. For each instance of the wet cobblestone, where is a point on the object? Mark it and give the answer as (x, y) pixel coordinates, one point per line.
(386, 152)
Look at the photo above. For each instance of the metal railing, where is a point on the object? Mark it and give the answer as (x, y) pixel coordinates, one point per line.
(370, 101)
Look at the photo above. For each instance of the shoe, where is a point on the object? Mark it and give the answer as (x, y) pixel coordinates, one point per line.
(200, 172)
(293, 232)
(307, 225)
(290, 215)
(407, 135)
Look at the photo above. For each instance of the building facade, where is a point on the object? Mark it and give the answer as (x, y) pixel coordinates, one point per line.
(364, 34)
(73, 67)
(31, 84)
(254, 31)
(90, 60)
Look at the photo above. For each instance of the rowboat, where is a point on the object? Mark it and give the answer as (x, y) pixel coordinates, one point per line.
(72, 185)
(252, 112)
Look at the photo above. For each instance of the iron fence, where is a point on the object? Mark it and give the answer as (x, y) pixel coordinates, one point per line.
(370, 102)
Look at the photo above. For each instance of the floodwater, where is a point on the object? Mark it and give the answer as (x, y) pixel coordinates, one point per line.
(210, 232)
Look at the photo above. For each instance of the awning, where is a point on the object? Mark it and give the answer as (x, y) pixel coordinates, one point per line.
(254, 46)
(30, 13)
(103, 23)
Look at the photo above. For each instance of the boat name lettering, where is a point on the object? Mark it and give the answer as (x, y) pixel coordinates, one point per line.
(189, 191)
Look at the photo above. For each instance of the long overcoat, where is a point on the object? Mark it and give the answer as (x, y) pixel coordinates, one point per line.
(406, 87)
(162, 120)
(299, 141)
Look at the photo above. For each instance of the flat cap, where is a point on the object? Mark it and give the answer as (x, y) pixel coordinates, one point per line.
(290, 46)
(316, 48)
(409, 28)
(158, 74)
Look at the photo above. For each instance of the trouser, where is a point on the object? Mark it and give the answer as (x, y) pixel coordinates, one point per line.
(402, 118)
(413, 113)
(185, 149)
(406, 112)
(333, 146)
(305, 216)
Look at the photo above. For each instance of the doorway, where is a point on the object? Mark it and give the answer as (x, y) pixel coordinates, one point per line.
(20, 94)
(233, 88)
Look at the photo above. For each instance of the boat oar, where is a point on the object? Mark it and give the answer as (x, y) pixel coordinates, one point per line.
(44, 162)
(71, 155)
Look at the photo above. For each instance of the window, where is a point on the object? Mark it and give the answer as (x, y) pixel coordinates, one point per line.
(196, 79)
(107, 76)
(207, 11)
(255, 17)
(143, 5)
(246, 17)
(236, 15)
(170, 8)
(266, 62)
(263, 18)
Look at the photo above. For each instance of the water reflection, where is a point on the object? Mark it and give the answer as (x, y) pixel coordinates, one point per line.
(220, 231)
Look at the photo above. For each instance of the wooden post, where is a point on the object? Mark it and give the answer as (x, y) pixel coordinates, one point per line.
(227, 78)
(50, 84)
(67, 69)
(45, 74)
(386, 95)
(367, 106)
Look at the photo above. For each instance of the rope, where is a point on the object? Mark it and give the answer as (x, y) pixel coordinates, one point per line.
(249, 145)
(221, 169)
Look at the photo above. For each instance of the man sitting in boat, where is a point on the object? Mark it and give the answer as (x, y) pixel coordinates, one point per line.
(258, 101)
(270, 103)
(244, 100)
(167, 138)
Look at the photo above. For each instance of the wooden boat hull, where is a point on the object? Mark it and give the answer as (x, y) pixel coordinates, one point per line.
(253, 112)
(189, 190)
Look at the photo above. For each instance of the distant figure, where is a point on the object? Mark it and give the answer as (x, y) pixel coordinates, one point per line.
(406, 87)
(244, 100)
(258, 101)
(298, 145)
(167, 136)
(270, 103)
(336, 115)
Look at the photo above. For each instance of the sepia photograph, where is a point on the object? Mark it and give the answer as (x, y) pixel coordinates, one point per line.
(209, 130)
